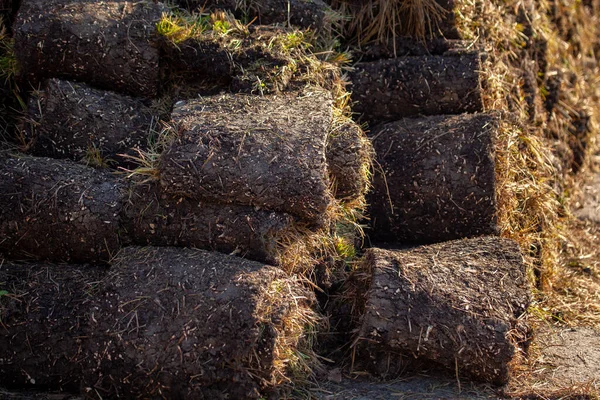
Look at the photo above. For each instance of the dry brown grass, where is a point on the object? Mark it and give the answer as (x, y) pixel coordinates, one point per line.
(529, 209)
(538, 155)
(384, 20)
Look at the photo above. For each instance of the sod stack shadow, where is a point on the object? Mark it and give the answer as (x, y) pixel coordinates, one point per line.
(211, 59)
(75, 121)
(161, 322)
(315, 14)
(266, 152)
(460, 304)
(388, 90)
(58, 210)
(152, 217)
(436, 179)
(109, 44)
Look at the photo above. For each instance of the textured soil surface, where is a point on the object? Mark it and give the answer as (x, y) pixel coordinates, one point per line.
(411, 388)
(435, 179)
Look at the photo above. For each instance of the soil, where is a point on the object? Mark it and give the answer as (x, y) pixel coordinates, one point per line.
(388, 90)
(167, 322)
(417, 387)
(459, 304)
(109, 44)
(75, 121)
(435, 179)
(267, 152)
(58, 210)
(151, 217)
(588, 208)
(567, 357)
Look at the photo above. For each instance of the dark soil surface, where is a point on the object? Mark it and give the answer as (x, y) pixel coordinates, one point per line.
(168, 322)
(267, 152)
(76, 121)
(458, 304)
(435, 179)
(388, 90)
(151, 217)
(58, 210)
(110, 44)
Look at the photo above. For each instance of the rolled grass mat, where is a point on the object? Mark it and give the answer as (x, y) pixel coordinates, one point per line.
(314, 14)
(73, 120)
(161, 322)
(458, 304)
(349, 157)
(152, 217)
(388, 90)
(267, 152)
(437, 179)
(58, 210)
(109, 44)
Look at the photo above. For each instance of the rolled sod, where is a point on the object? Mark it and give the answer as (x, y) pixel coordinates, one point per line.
(75, 121)
(58, 210)
(109, 44)
(268, 152)
(349, 157)
(458, 304)
(161, 322)
(436, 179)
(152, 217)
(391, 89)
(314, 14)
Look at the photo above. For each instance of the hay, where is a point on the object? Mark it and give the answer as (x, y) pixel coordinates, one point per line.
(161, 322)
(385, 20)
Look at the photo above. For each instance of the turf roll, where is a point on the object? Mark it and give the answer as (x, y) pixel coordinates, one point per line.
(314, 14)
(458, 304)
(109, 44)
(152, 217)
(58, 210)
(436, 179)
(267, 152)
(73, 120)
(161, 322)
(391, 89)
